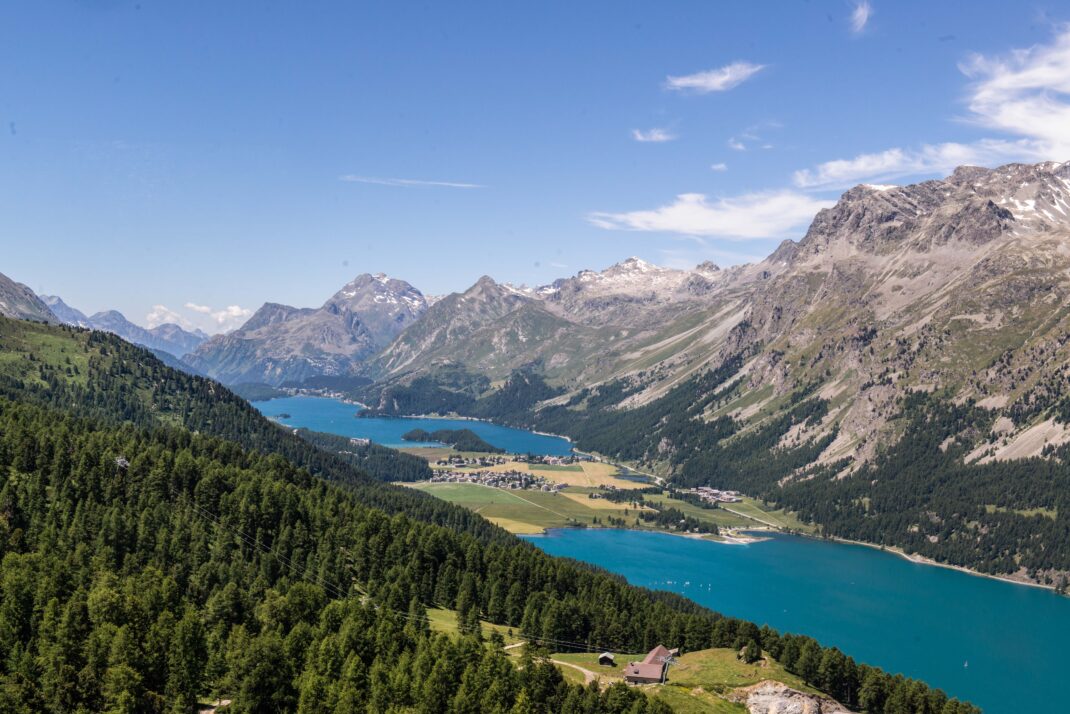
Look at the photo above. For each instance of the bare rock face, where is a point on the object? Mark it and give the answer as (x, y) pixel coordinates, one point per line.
(280, 343)
(19, 302)
(771, 697)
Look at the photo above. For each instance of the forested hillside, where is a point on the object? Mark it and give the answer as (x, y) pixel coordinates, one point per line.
(100, 375)
(145, 565)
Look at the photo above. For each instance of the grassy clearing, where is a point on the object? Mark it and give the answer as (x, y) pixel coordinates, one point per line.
(528, 512)
(442, 620)
(697, 682)
(718, 516)
(1026, 512)
(62, 351)
(522, 511)
(778, 518)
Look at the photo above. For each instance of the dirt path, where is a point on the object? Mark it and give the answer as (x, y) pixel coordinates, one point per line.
(588, 675)
(749, 516)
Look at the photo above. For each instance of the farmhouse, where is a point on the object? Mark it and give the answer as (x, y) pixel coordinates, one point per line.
(652, 669)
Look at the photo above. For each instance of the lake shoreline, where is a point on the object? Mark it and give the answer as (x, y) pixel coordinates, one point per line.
(923, 560)
(459, 417)
(895, 550)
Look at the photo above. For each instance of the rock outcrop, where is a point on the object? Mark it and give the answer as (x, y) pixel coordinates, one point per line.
(770, 697)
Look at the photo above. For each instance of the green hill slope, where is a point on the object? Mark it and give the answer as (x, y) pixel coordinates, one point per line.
(146, 565)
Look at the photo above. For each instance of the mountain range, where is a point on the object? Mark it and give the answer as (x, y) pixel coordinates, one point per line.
(168, 337)
(958, 284)
(280, 343)
(904, 313)
(899, 375)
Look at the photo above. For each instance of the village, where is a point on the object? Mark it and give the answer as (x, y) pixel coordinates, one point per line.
(713, 495)
(460, 461)
(508, 480)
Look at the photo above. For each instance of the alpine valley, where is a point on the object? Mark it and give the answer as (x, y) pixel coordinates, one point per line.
(898, 376)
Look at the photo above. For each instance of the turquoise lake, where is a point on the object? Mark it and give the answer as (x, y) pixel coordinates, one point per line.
(923, 621)
(338, 417)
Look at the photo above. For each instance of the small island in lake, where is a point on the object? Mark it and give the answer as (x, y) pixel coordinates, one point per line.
(460, 439)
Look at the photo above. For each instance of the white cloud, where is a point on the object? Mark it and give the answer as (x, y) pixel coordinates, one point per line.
(230, 317)
(897, 162)
(721, 166)
(771, 214)
(736, 145)
(199, 316)
(1025, 94)
(655, 135)
(161, 315)
(715, 80)
(406, 183)
(860, 15)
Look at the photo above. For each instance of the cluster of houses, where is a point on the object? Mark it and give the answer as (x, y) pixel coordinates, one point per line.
(552, 460)
(714, 495)
(508, 480)
(461, 462)
(652, 670)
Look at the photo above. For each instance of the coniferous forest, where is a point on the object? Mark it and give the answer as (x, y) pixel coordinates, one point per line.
(1001, 517)
(162, 542)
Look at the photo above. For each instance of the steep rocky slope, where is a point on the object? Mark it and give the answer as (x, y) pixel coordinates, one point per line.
(18, 301)
(594, 326)
(280, 343)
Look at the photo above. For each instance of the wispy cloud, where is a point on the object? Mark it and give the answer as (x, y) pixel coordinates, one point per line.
(162, 315)
(1025, 94)
(192, 316)
(655, 135)
(771, 214)
(230, 316)
(736, 145)
(721, 166)
(406, 183)
(860, 15)
(898, 162)
(715, 80)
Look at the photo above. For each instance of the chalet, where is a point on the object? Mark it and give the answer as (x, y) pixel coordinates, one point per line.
(652, 669)
(606, 659)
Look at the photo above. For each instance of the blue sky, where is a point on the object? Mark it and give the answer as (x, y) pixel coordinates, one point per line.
(190, 161)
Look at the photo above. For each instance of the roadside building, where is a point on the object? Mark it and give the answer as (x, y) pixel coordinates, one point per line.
(652, 669)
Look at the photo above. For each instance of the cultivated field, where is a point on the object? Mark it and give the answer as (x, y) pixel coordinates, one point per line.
(527, 511)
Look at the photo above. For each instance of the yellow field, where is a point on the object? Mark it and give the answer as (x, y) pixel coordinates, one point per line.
(591, 474)
(599, 504)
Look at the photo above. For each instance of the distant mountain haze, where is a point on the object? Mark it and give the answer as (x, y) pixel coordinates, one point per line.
(169, 338)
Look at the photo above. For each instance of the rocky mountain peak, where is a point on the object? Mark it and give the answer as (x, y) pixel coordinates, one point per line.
(972, 207)
(708, 267)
